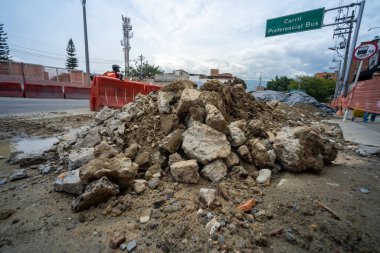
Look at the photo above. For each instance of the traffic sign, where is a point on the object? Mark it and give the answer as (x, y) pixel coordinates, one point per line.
(365, 51)
(299, 22)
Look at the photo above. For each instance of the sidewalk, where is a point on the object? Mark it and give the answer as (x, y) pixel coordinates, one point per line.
(360, 132)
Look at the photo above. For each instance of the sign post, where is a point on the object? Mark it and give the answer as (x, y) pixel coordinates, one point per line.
(299, 22)
(362, 52)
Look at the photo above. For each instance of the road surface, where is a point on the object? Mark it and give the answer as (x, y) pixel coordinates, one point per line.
(19, 106)
(360, 132)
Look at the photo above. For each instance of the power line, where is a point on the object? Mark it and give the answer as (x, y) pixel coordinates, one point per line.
(46, 52)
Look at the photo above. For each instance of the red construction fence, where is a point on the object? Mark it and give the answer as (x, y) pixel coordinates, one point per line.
(365, 96)
(114, 93)
(29, 90)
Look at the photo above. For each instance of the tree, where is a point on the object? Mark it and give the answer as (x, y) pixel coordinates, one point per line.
(71, 61)
(279, 84)
(4, 48)
(147, 69)
(319, 88)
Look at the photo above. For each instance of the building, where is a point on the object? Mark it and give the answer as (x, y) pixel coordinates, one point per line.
(326, 75)
(165, 78)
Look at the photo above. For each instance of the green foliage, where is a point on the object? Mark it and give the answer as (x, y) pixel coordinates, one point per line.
(4, 48)
(319, 88)
(71, 60)
(147, 69)
(279, 84)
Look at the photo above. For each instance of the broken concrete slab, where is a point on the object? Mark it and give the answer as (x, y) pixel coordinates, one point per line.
(185, 171)
(69, 182)
(215, 170)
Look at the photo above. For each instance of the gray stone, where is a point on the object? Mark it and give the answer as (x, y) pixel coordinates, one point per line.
(264, 176)
(131, 245)
(153, 183)
(163, 102)
(215, 170)
(132, 110)
(244, 153)
(119, 169)
(189, 98)
(205, 144)
(69, 182)
(231, 160)
(45, 169)
(239, 171)
(207, 195)
(185, 171)
(168, 122)
(131, 151)
(91, 140)
(215, 119)
(18, 174)
(153, 171)
(145, 215)
(96, 192)
(104, 150)
(365, 150)
(139, 185)
(26, 159)
(78, 158)
(2, 157)
(237, 135)
(3, 181)
(104, 114)
(172, 142)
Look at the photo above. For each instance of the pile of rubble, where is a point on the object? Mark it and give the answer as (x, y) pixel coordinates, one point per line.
(181, 134)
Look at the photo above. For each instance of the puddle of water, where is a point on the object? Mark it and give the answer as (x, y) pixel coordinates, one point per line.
(32, 145)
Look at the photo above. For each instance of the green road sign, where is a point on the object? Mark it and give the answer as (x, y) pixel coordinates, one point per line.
(299, 22)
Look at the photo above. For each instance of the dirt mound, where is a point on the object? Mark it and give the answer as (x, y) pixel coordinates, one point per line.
(192, 136)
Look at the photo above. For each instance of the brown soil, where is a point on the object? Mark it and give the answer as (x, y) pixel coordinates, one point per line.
(34, 218)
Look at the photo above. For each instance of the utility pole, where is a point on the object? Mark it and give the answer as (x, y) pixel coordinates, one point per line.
(86, 43)
(354, 40)
(141, 68)
(127, 35)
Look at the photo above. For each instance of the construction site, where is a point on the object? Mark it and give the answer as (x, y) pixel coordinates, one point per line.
(181, 162)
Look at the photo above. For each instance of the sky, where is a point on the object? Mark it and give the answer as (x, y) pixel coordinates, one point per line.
(194, 35)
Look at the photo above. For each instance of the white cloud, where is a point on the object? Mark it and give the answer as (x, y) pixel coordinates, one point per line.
(194, 35)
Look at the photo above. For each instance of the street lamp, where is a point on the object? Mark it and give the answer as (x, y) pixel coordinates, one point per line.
(373, 28)
(86, 42)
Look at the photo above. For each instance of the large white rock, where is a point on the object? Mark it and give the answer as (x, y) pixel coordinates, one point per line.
(163, 102)
(301, 148)
(215, 170)
(189, 98)
(185, 171)
(205, 144)
(264, 176)
(207, 195)
(119, 169)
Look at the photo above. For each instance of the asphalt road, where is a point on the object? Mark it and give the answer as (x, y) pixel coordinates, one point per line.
(19, 106)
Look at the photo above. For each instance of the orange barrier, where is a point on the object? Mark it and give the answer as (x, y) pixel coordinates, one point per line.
(114, 93)
(42, 91)
(365, 96)
(76, 92)
(11, 90)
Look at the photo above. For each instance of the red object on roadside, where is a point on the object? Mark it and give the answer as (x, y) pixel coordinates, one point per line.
(247, 206)
(115, 93)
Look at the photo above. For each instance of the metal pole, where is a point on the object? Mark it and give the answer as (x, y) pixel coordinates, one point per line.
(346, 53)
(354, 40)
(86, 43)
